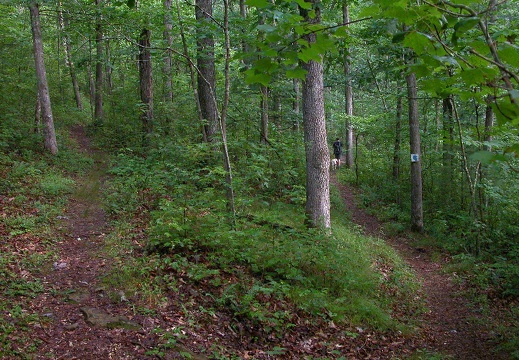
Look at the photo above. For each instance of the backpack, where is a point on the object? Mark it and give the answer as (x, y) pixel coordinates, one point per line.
(337, 147)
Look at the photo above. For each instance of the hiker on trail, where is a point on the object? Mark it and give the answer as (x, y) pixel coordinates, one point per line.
(337, 150)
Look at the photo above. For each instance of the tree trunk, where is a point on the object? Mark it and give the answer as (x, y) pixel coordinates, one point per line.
(223, 119)
(168, 59)
(37, 115)
(348, 96)
(49, 133)
(416, 167)
(192, 72)
(296, 103)
(316, 147)
(146, 81)
(63, 21)
(448, 136)
(98, 101)
(264, 135)
(206, 71)
(398, 137)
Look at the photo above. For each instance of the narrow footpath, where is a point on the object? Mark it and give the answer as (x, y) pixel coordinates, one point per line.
(451, 326)
(85, 321)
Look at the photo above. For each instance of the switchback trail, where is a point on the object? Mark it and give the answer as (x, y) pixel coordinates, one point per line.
(450, 326)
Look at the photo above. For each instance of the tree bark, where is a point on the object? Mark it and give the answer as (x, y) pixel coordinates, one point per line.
(348, 96)
(206, 72)
(296, 104)
(168, 59)
(416, 167)
(223, 119)
(98, 100)
(49, 133)
(146, 81)
(398, 137)
(316, 147)
(63, 22)
(264, 128)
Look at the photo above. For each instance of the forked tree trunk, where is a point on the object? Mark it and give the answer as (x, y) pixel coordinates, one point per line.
(49, 133)
(416, 166)
(316, 147)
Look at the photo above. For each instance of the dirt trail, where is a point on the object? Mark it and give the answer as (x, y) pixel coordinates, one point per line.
(451, 326)
(77, 298)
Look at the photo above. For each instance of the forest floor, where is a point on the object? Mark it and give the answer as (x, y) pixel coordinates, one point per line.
(84, 321)
(452, 324)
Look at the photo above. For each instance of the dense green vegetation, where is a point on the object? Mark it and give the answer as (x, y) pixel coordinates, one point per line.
(167, 188)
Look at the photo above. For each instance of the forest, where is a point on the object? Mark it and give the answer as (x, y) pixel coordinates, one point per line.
(190, 142)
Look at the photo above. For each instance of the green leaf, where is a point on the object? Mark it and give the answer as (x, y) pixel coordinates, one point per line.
(368, 11)
(465, 24)
(297, 73)
(447, 60)
(506, 112)
(304, 5)
(486, 157)
(265, 65)
(310, 53)
(260, 4)
(419, 42)
(399, 37)
(131, 4)
(254, 77)
(510, 54)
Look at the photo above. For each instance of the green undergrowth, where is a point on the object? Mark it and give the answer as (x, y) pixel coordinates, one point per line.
(260, 266)
(488, 272)
(34, 190)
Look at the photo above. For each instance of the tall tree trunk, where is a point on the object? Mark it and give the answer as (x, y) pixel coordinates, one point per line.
(146, 81)
(98, 101)
(108, 68)
(63, 22)
(192, 71)
(37, 115)
(168, 59)
(316, 147)
(223, 118)
(416, 167)
(348, 95)
(264, 128)
(206, 72)
(398, 136)
(448, 168)
(49, 133)
(296, 104)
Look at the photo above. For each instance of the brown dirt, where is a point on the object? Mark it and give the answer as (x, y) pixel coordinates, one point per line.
(451, 326)
(74, 283)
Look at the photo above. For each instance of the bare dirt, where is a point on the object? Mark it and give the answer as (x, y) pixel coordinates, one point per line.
(75, 298)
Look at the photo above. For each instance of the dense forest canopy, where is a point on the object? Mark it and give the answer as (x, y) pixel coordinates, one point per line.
(423, 94)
